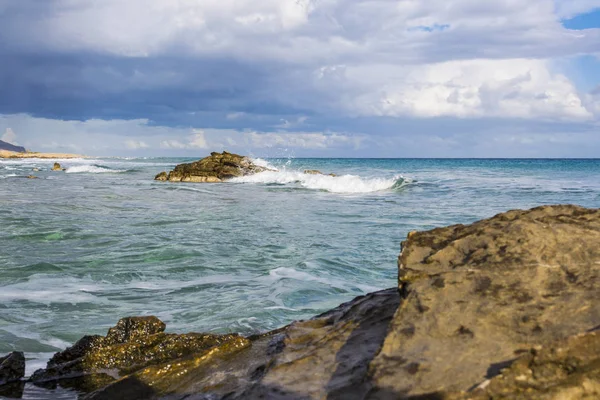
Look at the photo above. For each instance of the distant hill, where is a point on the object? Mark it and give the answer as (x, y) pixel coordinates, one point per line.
(11, 147)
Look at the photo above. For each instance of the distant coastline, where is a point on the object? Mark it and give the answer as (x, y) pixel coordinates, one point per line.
(33, 154)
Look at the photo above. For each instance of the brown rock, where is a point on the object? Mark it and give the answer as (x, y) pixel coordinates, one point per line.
(162, 176)
(325, 356)
(476, 295)
(313, 172)
(133, 344)
(215, 168)
(565, 370)
(57, 167)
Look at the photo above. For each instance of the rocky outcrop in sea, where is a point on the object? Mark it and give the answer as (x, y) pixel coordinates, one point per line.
(217, 167)
(504, 308)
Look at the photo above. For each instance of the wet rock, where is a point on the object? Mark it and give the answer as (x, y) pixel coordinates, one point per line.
(57, 167)
(316, 172)
(477, 295)
(133, 344)
(36, 169)
(215, 168)
(327, 355)
(12, 367)
(32, 177)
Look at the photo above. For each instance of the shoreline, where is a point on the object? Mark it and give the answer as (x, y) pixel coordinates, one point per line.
(6, 154)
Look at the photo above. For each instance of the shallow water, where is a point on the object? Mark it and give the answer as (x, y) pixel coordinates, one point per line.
(102, 241)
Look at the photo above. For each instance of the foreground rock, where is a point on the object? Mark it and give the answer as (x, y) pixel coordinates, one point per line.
(215, 168)
(12, 367)
(57, 167)
(12, 371)
(565, 370)
(133, 344)
(505, 308)
(477, 296)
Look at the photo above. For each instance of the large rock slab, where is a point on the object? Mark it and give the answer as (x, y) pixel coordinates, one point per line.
(477, 296)
(215, 168)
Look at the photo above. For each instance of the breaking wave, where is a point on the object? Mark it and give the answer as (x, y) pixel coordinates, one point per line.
(334, 184)
(92, 169)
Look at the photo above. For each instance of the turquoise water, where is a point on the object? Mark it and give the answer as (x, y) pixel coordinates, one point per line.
(102, 241)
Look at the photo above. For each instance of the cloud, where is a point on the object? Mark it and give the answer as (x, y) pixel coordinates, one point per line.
(135, 144)
(517, 88)
(198, 141)
(295, 72)
(302, 140)
(9, 136)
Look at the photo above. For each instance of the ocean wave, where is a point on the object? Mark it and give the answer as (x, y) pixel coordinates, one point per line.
(334, 184)
(92, 169)
(264, 163)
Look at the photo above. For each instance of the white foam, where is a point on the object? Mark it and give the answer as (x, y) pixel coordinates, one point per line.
(334, 184)
(91, 169)
(263, 163)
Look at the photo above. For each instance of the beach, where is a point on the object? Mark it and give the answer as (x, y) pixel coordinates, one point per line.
(30, 154)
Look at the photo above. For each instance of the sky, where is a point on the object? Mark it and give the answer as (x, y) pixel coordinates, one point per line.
(302, 78)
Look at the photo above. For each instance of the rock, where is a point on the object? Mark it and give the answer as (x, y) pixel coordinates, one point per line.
(32, 177)
(316, 172)
(476, 296)
(327, 355)
(565, 370)
(163, 176)
(36, 170)
(215, 168)
(12, 367)
(133, 344)
(57, 167)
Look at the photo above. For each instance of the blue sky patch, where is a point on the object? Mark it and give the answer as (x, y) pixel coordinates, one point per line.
(584, 21)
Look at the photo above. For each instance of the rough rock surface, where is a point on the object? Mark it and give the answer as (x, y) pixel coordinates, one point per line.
(215, 168)
(133, 344)
(477, 296)
(12, 367)
(566, 370)
(325, 356)
(503, 308)
(57, 167)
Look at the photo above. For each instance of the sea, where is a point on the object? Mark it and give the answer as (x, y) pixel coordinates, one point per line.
(82, 248)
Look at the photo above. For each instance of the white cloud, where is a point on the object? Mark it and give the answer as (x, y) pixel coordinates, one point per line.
(517, 88)
(9, 136)
(173, 144)
(302, 140)
(135, 144)
(456, 58)
(197, 140)
(570, 8)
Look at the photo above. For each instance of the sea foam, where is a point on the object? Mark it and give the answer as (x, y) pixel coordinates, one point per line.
(91, 169)
(334, 184)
